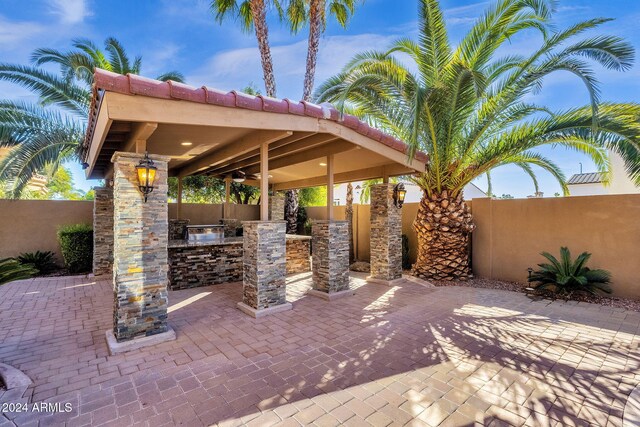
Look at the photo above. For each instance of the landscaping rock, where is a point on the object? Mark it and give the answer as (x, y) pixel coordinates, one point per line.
(360, 266)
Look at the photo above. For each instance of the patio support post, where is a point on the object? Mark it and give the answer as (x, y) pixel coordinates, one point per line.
(276, 207)
(179, 214)
(227, 197)
(330, 185)
(140, 267)
(386, 236)
(103, 231)
(264, 182)
(264, 259)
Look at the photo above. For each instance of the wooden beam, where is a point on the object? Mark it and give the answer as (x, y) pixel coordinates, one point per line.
(230, 151)
(137, 141)
(330, 184)
(264, 182)
(101, 129)
(141, 108)
(393, 169)
(303, 156)
(179, 197)
(276, 150)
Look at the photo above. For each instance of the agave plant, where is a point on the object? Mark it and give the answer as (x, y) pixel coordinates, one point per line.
(43, 262)
(11, 269)
(467, 107)
(45, 135)
(564, 276)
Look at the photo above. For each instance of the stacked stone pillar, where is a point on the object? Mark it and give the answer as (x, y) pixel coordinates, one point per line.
(103, 231)
(276, 207)
(386, 236)
(264, 269)
(140, 261)
(330, 266)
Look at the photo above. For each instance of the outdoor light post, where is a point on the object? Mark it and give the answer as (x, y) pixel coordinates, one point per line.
(399, 194)
(146, 171)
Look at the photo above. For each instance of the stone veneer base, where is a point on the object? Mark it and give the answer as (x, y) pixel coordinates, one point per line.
(264, 311)
(116, 347)
(418, 281)
(394, 282)
(332, 295)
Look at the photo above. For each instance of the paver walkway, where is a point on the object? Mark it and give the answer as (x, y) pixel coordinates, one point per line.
(406, 354)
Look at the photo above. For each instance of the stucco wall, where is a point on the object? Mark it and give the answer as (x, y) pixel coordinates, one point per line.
(511, 234)
(31, 225)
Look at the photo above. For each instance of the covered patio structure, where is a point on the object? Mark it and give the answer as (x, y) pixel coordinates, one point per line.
(274, 144)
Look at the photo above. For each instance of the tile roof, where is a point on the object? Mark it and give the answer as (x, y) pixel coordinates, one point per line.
(132, 84)
(586, 178)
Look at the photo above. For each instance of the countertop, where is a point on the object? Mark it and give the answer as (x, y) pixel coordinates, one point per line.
(199, 243)
(226, 241)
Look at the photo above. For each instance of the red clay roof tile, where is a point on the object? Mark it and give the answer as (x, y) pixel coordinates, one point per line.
(248, 102)
(139, 85)
(186, 92)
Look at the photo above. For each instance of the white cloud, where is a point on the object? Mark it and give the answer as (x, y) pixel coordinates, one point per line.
(14, 32)
(70, 11)
(237, 68)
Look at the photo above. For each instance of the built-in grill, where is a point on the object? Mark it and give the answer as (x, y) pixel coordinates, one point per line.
(205, 233)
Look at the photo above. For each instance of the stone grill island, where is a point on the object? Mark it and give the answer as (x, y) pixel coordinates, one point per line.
(201, 255)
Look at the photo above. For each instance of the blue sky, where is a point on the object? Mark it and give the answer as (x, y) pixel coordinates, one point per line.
(182, 35)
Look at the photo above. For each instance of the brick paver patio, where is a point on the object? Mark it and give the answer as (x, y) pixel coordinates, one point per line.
(407, 354)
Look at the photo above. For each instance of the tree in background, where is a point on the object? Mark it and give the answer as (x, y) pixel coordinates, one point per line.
(208, 189)
(49, 133)
(314, 13)
(252, 14)
(467, 108)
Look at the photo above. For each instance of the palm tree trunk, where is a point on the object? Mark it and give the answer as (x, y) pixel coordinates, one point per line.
(349, 217)
(316, 19)
(443, 225)
(259, 13)
(291, 211)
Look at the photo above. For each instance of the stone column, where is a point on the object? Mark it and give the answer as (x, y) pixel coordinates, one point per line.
(103, 231)
(264, 277)
(386, 236)
(276, 207)
(330, 265)
(140, 260)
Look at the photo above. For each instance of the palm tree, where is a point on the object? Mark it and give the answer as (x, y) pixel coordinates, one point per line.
(466, 107)
(47, 134)
(252, 14)
(315, 12)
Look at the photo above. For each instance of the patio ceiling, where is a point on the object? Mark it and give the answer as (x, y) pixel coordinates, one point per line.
(210, 132)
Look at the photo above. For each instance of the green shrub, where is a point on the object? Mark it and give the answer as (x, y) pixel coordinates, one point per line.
(42, 261)
(564, 277)
(76, 243)
(406, 263)
(11, 269)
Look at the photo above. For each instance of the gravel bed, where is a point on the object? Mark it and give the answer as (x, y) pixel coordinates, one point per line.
(627, 304)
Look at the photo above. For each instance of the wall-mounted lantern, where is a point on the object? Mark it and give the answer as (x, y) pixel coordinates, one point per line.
(399, 194)
(146, 170)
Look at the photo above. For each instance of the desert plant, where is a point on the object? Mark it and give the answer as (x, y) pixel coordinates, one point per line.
(76, 243)
(564, 277)
(43, 262)
(11, 269)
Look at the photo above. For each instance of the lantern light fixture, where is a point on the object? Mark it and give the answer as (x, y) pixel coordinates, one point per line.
(399, 194)
(146, 171)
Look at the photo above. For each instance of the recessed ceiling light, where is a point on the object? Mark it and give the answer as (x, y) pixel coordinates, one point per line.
(186, 143)
(323, 164)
